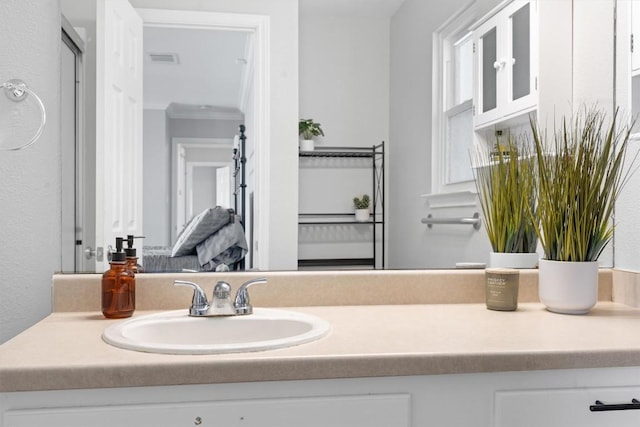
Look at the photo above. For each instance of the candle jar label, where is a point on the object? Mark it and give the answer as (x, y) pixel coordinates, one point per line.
(502, 288)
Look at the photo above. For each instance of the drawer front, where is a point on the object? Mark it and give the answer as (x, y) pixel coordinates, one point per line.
(568, 407)
(335, 411)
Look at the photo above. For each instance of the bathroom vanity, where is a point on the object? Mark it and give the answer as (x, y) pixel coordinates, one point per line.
(405, 349)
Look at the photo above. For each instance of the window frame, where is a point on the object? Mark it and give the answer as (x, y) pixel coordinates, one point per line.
(444, 40)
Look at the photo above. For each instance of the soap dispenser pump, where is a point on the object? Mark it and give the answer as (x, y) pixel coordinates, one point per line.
(131, 255)
(118, 286)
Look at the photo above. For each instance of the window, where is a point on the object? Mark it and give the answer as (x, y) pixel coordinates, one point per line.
(458, 114)
(452, 137)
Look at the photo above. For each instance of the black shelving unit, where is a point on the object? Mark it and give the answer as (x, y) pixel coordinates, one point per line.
(376, 154)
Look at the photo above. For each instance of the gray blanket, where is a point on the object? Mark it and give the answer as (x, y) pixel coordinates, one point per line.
(226, 246)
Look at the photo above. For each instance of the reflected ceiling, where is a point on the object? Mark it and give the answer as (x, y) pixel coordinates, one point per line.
(195, 67)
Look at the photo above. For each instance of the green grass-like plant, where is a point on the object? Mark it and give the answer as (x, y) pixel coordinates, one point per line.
(506, 184)
(581, 174)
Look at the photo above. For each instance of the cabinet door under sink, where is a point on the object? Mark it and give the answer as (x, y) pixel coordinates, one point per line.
(353, 411)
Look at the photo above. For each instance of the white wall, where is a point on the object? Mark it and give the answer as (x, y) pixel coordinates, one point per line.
(30, 190)
(344, 77)
(344, 85)
(412, 244)
(156, 179)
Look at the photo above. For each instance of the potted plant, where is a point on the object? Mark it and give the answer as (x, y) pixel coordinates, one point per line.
(581, 174)
(308, 129)
(506, 182)
(361, 206)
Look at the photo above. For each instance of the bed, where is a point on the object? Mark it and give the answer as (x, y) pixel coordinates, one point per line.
(213, 239)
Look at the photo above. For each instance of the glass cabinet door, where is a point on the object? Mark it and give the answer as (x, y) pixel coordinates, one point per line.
(489, 83)
(520, 52)
(521, 91)
(505, 64)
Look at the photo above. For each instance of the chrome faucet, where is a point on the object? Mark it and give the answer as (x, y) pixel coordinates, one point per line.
(221, 304)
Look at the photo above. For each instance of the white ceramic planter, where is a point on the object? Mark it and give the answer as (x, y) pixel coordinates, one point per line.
(568, 287)
(307, 145)
(362, 215)
(510, 260)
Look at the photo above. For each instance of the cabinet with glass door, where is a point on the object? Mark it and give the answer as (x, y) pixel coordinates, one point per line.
(505, 45)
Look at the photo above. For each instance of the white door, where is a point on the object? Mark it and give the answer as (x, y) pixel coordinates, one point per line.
(181, 198)
(118, 124)
(201, 187)
(223, 186)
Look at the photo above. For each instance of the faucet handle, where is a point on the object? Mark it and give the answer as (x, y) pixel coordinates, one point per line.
(199, 303)
(241, 303)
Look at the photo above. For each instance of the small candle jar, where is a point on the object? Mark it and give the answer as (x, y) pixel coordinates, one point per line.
(502, 288)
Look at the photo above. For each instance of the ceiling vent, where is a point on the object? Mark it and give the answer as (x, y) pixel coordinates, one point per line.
(163, 58)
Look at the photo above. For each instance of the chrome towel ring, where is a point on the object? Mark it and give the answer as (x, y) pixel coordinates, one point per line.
(17, 90)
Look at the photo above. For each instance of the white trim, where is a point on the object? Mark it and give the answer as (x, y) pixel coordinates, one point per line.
(80, 174)
(204, 142)
(490, 14)
(178, 182)
(72, 33)
(162, 106)
(259, 25)
(189, 181)
(459, 22)
(451, 200)
(214, 113)
(206, 115)
(247, 71)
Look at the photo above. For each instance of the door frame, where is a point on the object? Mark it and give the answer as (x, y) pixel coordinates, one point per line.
(189, 181)
(179, 147)
(259, 26)
(75, 43)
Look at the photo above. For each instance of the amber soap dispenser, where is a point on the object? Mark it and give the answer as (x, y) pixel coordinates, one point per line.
(118, 286)
(132, 257)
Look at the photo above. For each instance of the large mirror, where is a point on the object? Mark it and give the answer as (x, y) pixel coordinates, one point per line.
(368, 79)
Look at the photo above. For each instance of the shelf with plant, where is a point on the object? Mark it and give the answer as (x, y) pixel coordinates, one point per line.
(361, 205)
(308, 130)
(506, 183)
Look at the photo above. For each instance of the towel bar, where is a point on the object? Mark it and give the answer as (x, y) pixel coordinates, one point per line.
(474, 220)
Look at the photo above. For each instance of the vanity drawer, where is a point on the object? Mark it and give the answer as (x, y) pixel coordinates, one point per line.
(366, 411)
(568, 407)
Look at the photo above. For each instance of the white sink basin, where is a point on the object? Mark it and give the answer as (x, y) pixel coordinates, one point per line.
(175, 332)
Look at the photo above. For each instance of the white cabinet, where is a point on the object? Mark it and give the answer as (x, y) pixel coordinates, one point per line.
(550, 398)
(569, 407)
(506, 63)
(356, 411)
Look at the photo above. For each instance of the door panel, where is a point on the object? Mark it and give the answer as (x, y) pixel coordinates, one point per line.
(118, 123)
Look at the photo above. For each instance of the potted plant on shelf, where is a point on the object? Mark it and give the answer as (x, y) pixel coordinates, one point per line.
(581, 174)
(506, 182)
(308, 129)
(362, 208)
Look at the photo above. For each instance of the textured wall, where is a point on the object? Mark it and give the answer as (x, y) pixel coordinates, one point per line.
(30, 189)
